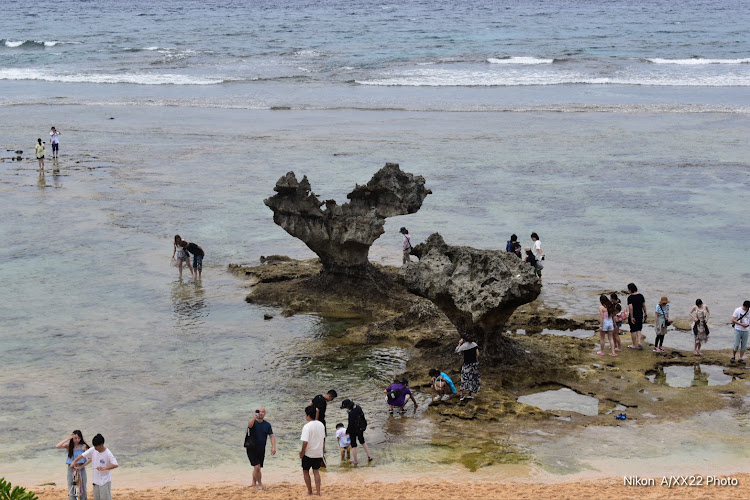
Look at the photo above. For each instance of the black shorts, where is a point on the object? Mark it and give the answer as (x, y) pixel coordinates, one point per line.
(198, 262)
(636, 325)
(311, 463)
(357, 434)
(256, 456)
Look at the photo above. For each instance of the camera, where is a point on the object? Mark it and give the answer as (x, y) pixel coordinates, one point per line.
(257, 412)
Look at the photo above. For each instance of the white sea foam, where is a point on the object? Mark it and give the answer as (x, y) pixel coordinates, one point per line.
(519, 60)
(698, 61)
(151, 48)
(13, 44)
(50, 43)
(438, 77)
(132, 78)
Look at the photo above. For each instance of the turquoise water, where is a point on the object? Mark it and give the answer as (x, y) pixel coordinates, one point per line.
(617, 133)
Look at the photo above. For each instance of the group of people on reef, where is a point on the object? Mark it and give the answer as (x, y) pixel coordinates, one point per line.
(80, 455)
(313, 439)
(182, 252)
(40, 148)
(613, 315)
(533, 255)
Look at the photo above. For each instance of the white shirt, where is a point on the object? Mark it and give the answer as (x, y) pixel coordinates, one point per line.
(344, 440)
(314, 433)
(537, 249)
(739, 312)
(55, 137)
(406, 242)
(100, 460)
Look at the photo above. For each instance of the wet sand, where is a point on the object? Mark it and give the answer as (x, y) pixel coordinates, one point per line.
(433, 490)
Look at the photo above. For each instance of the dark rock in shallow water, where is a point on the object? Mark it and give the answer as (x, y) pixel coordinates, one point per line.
(342, 235)
(268, 316)
(477, 290)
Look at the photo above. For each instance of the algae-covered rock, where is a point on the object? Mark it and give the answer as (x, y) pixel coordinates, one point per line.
(477, 290)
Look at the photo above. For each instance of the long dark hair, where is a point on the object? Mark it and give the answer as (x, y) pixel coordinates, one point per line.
(72, 445)
(608, 305)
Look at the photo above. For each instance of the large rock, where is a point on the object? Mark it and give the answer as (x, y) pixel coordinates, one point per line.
(477, 290)
(342, 235)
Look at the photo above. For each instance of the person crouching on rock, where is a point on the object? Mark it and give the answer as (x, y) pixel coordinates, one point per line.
(406, 245)
(442, 385)
(470, 381)
(397, 395)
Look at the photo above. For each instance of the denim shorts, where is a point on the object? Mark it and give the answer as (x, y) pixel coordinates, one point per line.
(740, 340)
(198, 262)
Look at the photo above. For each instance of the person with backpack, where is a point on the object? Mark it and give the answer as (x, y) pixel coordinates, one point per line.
(397, 395)
(510, 245)
(406, 245)
(741, 322)
(356, 428)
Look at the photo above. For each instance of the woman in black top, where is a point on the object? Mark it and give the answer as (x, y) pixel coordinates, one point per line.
(470, 381)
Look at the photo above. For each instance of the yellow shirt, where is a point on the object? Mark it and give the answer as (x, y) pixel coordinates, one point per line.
(40, 150)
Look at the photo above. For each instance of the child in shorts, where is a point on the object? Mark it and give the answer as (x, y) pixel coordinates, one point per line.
(345, 442)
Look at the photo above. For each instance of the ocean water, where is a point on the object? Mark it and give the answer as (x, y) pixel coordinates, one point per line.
(618, 132)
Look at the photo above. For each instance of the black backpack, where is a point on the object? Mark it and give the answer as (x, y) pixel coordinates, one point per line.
(362, 422)
(394, 394)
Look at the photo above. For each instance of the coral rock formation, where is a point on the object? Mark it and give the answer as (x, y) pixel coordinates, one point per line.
(342, 235)
(478, 290)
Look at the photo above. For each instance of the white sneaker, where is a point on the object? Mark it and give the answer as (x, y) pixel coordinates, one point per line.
(445, 397)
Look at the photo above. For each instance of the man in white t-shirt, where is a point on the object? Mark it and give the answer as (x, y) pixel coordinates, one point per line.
(538, 253)
(741, 322)
(313, 435)
(103, 461)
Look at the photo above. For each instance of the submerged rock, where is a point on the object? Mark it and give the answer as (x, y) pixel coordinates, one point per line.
(342, 235)
(477, 290)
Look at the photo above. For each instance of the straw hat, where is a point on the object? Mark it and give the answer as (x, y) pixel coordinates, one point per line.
(664, 300)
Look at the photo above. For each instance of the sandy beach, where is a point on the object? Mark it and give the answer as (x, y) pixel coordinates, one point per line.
(417, 489)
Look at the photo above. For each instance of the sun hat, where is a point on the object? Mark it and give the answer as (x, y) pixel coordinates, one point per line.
(664, 300)
(403, 230)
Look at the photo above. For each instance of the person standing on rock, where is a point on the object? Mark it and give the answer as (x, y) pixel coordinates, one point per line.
(40, 150)
(636, 316)
(406, 245)
(470, 381)
(741, 322)
(661, 324)
(607, 314)
(539, 254)
(700, 315)
(55, 140)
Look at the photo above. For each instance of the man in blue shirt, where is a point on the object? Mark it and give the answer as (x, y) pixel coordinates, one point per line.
(256, 455)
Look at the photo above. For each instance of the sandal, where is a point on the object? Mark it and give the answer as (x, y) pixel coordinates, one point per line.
(613, 354)
(632, 347)
(600, 353)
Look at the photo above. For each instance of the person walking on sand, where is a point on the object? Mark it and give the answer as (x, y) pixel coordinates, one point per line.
(179, 254)
(198, 254)
(470, 381)
(607, 329)
(257, 455)
(40, 150)
(405, 245)
(103, 461)
(75, 446)
(356, 426)
(700, 315)
(311, 454)
(636, 316)
(661, 323)
(442, 385)
(54, 135)
(741, 322)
